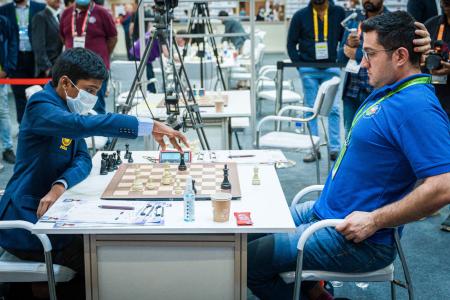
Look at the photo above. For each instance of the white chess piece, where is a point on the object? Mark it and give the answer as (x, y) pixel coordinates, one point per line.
(150, 185)
(167, 177)
(178, 190)
(256, 180)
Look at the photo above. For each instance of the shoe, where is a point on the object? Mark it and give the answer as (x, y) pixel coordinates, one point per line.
(310, 157)
(9, 156)
(334, 155)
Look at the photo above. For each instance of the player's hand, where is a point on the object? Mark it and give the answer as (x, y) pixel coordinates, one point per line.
(3, 74)
(350, 52)
(358, 226)
(353, 40)
(48, 200)
(445, 70)
(160, 130)
(423, 41)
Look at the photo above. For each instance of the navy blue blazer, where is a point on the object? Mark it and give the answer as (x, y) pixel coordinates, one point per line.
(50, 147)
(9, 11)
(8, 46)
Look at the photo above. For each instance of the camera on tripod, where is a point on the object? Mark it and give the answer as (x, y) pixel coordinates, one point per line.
(163, 5)
(437, 55)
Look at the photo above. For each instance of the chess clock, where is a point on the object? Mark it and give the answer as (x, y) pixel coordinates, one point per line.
(173, 156)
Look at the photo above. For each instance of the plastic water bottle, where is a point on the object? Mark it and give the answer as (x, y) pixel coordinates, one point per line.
(298, 127)
(189, 201)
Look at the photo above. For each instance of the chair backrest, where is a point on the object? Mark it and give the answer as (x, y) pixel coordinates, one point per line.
(326, 95)
(209, 73)
(123, 72)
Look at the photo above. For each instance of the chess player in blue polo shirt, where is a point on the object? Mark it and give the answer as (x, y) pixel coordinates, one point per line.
(399, 135)
(52, 155)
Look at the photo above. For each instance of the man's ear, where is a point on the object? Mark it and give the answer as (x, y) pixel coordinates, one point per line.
(402, 56)
(64, 82)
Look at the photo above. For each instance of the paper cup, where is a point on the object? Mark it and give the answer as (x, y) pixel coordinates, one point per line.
(221, 203)
(219, 103)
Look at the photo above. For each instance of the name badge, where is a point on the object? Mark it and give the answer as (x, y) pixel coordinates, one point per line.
(321, 50)
(79, 41)
(435, 79)
(352, 67)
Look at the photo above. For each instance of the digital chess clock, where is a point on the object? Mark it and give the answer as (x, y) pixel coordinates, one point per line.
(173, 156)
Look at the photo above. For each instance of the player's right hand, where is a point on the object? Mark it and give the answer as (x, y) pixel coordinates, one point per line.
(160, 130)
(48, 200)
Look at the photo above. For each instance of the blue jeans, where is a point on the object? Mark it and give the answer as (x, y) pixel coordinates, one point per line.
(350, 108)
(326, 249)
(5, 119)
(311, 79)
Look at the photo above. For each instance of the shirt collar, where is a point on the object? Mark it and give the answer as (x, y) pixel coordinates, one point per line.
(19, 7)
(380, 92)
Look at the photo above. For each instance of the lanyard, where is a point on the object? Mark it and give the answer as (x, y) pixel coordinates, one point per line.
(85, 21)
(363, 111)
(316, 25)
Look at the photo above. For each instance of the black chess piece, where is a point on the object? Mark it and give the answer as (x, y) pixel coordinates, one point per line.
(193, 187)
(226, 185)
(182, 166)
(105, 156)
(110, 163)
(119, 160)
(127, 151)
(114, 162)
(103, 170)
(130, 158)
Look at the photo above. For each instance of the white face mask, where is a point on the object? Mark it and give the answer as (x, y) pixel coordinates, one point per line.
(83, 103)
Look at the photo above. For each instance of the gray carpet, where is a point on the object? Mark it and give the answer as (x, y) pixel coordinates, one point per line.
(426, 246)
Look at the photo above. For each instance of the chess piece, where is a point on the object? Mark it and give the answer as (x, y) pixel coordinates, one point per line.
(110, 163)
(103, 170)
(127, 151)
(150, 185)
(178, 190)
(182, 165)
(256, 180)
(226, 185)
(130, 158)
(167, 177)
(119, 160)
(114, 161)
(193, 187)
(137, 186)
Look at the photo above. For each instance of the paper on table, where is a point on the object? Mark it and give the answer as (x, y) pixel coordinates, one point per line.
(241, 156)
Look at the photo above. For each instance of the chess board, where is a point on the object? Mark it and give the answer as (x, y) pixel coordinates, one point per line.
(208, 178)
(205, 101)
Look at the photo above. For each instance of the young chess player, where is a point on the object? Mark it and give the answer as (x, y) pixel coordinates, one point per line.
(52, 155)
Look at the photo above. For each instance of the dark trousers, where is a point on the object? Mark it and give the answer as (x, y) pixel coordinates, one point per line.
(25, 69)
(72, 256)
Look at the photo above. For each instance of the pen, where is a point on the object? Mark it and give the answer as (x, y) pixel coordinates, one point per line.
(145, 208)
(116, 207)
(238, 156)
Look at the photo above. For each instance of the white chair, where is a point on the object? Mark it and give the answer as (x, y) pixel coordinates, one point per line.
(13, 269)
(300, 142)
(381, 275)
(243, 73)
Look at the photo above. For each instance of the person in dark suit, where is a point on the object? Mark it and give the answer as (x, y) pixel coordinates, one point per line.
(47, 45)
(52, 155)
(422, 10)
(20, 13)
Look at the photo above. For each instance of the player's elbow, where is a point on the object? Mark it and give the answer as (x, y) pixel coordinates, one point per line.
(439, 187)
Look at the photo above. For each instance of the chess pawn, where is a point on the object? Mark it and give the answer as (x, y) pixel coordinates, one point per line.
(127, 151)
(137, 186)
(167, 177)
(178, 190)
(119, 160)
(256, 180)
(150, 185)
(130, 158)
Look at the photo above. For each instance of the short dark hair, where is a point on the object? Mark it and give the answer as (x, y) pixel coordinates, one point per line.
(79, 63)
(223, 13)
(394, 30)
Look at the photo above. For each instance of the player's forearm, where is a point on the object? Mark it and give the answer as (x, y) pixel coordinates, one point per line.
(429, 197)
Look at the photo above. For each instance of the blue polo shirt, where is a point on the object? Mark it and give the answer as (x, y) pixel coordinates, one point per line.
(405, 138)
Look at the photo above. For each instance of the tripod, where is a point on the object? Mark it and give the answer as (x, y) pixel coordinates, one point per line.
(163, 17)
(200, 11)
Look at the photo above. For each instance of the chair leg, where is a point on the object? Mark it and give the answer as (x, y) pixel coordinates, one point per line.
(237, 140)
(401, 255)
(315, 152)
(326, 143)
(393, 296)
(50, 275)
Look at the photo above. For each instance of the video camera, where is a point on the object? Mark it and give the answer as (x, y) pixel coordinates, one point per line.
(163, 5)
(440, 53)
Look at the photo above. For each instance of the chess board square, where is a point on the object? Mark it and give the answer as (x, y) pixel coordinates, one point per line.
(165, 188)
(146, 167)
(128, 177)
(120, 193)
(196, 173)
(150, 192)
(209, 176)
(208, 184)
(145, 173)
(124, 184)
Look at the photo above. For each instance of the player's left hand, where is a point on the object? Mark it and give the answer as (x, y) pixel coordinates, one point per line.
(423, 41)
(445, 70)
(358, 226)
(160, 130)
(48, 200)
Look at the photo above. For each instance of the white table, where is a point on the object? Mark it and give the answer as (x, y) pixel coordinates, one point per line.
(238, 106)
(179, 260)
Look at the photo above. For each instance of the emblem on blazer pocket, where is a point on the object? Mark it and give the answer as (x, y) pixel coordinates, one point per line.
(65, 142)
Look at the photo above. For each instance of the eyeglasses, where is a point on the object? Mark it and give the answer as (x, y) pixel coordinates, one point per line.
(368, 55)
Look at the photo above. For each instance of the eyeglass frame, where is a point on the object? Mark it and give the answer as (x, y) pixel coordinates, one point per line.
(372, 52)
